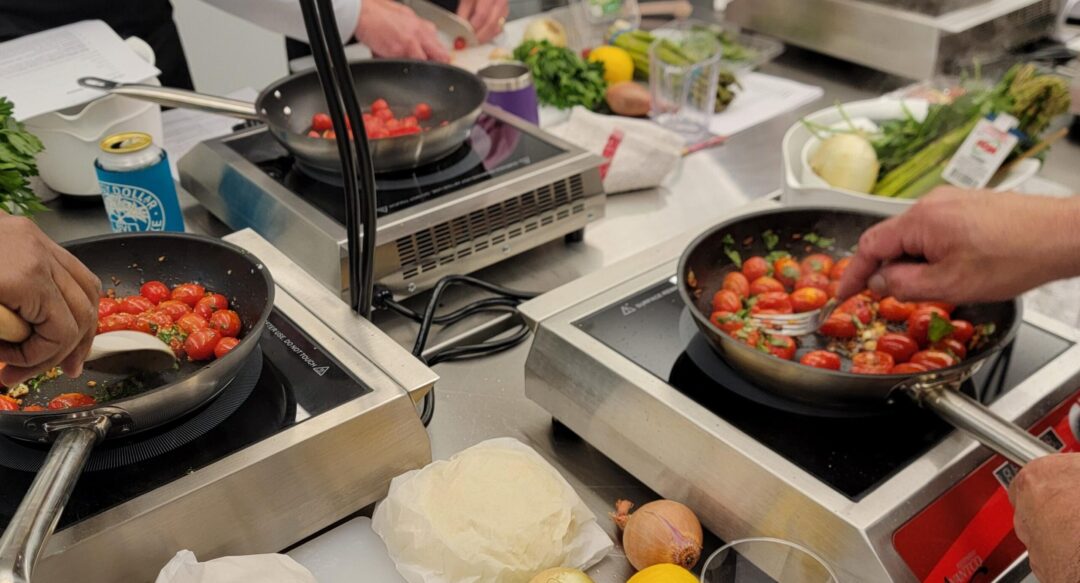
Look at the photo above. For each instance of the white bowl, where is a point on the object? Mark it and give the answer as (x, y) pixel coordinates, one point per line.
(803, 187)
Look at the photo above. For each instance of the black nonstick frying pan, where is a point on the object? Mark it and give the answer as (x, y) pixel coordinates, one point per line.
(705, 262)
(124, 262)
(286, 107)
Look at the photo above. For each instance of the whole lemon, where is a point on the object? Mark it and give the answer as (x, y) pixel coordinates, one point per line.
(663, 573)
(618, 66)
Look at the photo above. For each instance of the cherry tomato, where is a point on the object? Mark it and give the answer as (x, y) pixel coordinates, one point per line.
(227, 322)
(918, 325)
(379, 104)
(224, 346)
(174, 308)
(907, 368)
(933, 359)
(422, 111)
(155, 291)
(321, 122)
(747, 335)
(756, 267)
(409, 121)
(899, 346)
(737, 282)
(384, 114)
(781, 346)
(808, 299)
(201, 343)
(818, 280)
(779, 301)
(313, 134)
(114, 322)
(726, 300)
(34, 408)
(189, 293)
(787, 270)
(962, 330)
(952, 346)
(766, 284)
(151, 322)
(821, 359)
(329, 135)
(858, 306)
(210, 304)
(838, 269)
(135, 305)
(71, 401)
(839, 326)
(191, 323)
(947, 308)
(871, 363)
(403, 131)
(833, 289)
(459, 43)
(8, 404)
(894, 310)
(107, 307)
(817, 263)
(726, 321)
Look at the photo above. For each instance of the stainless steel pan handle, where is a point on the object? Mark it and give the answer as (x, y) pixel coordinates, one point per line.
(36, 518)
(175, 97)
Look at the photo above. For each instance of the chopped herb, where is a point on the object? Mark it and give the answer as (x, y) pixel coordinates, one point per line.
(822, 242)
(771, 239)
(940, 328)
(775, 255)
(729, 250)
(728, 240)
(775, 341)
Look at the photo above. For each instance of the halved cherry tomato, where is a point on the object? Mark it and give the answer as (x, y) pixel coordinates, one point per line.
(189, 293)
(781, 346)
(872, 362)
(201, 343)
(907, 368)
(918, 325)
(210, 304)
(174, 308)
(894, 310)
(34, 408)
(839, 326)
(726, 321)
(821, 359)
(135, 305)
(151, 322)
(191, 323)
(108, 307)
(817, 263)
(765, 284)
(899, 346)
(747, 335)
(951, 346)
(422, 111)
(756, 267)
(227, 322)
(224, 346)
(737, 282)
(313, 134)
(71, 401)
(947, 308)
(726, 300)
(818, 280)
(155, 291)
(8, 404)
(321, 122)
(779, 301)
(787, 270)
(858, 306)
(838, 269)
(114, 322)
(934, 359)
(962, 330)
(808, 299)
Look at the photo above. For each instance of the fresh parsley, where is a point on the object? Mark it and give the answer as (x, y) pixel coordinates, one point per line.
(772, 257)
(17, 164)
(771, 240)
(940, 328)
(729, 250)
(562, 78)
(818, 240)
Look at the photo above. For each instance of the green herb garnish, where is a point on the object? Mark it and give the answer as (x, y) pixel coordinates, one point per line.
(729, 250)
(17, 164)
(775, 255)
(771, 239)
(562, 78)
(940, 328)
(818, 240)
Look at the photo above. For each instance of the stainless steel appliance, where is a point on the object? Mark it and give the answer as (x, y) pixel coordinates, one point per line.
(911, 38)
(899, 497)
(319, 420)
(512, 187)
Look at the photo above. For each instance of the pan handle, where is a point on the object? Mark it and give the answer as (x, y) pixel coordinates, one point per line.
(975, 419)
(171, 97)
(39, 511)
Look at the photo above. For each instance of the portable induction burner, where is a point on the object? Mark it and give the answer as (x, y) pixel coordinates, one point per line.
(510, 188)
(894, 496)
(311, 431)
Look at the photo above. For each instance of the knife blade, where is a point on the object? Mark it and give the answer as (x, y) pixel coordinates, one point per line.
(449, 23)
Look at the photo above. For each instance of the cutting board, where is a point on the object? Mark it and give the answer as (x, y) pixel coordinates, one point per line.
(350, 553)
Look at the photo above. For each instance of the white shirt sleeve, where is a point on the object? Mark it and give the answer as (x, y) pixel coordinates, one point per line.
(285, 16)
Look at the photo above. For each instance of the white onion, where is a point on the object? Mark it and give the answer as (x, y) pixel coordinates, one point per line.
(846, 161)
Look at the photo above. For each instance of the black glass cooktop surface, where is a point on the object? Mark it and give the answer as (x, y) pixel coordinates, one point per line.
(852, 453)
(494, 148)
(281, 392)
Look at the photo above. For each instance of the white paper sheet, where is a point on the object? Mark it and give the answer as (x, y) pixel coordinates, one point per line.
(762, 98)
(184, 128)
(39, 73)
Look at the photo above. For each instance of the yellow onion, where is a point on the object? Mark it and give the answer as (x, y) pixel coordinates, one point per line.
(659, 532)
(561, 575)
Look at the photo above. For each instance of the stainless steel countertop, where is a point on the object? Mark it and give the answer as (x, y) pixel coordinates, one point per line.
(479, 400)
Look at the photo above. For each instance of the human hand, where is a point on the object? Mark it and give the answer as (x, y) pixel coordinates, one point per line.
(53, 292)
(1047, 519)
(487, 17)
(390, 29)
(977, 246)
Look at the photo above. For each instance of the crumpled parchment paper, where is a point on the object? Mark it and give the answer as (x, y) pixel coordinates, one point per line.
(185, 568)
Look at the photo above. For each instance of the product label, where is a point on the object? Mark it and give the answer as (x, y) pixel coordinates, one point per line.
(983, 152)
(612, 146)
(132, 209)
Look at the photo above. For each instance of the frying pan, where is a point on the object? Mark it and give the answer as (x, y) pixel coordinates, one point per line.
(124, 262)
(704, 264)
(286, 107)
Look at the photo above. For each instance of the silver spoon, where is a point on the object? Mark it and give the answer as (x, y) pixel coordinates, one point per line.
(796, 324)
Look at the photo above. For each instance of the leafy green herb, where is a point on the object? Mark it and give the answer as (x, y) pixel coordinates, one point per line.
(771, 239)
(775, 255)
(562, 78)
(940, 328)
(818, 240)
(782, 343)
(729, 250)
(17, 164)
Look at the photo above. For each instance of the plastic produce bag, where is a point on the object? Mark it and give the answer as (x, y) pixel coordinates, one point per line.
(494, 513)
(185, 568)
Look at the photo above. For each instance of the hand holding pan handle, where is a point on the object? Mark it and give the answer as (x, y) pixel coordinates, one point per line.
(170, 97)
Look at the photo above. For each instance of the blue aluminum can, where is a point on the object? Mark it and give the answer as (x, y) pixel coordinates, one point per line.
(136, 185)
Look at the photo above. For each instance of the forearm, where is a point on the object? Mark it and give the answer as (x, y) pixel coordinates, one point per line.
(285, 16)
(1061, 235)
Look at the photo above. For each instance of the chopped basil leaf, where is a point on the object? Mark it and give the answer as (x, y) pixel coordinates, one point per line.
(825, 242)
(734, 256)
(810, 238)
(773, 256)
(728, 240)
(771, 239)
(940, 328)
(775, 341)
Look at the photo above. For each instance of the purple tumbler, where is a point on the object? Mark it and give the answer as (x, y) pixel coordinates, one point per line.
(510, 87)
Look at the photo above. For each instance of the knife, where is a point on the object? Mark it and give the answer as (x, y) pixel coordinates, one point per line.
(449, 23)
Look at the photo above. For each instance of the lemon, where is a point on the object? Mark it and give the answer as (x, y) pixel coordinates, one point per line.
(618, 66)
(664, 573)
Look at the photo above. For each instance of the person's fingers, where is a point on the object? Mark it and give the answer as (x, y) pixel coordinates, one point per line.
(912, 282)
(84, 315)
(880, 243)
(434, 49)
(53, 326)
(466, 9)
(414, 49)
(492, 24)
(86, 279)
